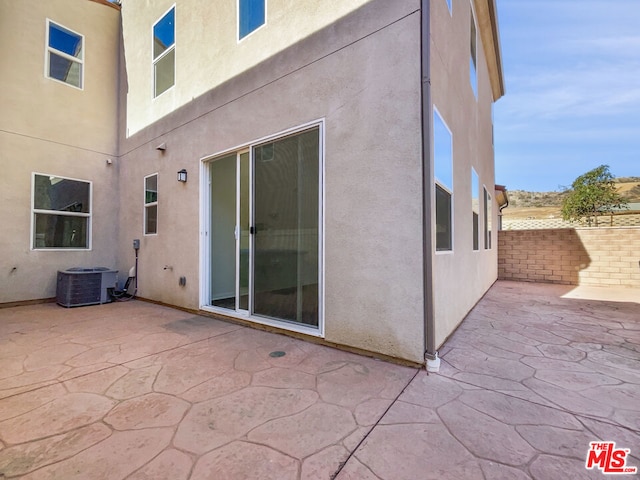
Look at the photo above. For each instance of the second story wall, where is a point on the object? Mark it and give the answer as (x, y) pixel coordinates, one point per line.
(59, 80)
(205, 46)
(464, 85)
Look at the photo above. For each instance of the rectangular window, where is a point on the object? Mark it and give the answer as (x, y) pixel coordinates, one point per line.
(473, 59)
(443, 168)
(487, 219)
(164, 53)
(251, 16)
(61, 213)
(475, 208)
(65, 55)
(151, 204)
(444, 233)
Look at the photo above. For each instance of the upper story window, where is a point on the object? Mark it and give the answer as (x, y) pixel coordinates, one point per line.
(251, 16)
(475, 208)
(443, 168)
(473, 59)
(65, 55)
(151, 204)
(61, 209)
(164, 53)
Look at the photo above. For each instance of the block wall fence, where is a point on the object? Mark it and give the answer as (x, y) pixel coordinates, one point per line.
(582, 256)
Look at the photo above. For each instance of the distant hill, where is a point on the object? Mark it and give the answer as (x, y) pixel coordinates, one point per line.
(629, 187)
(537, 205)
(524, 199)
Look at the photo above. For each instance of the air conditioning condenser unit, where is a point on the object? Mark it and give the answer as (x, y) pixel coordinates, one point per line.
(79, 286)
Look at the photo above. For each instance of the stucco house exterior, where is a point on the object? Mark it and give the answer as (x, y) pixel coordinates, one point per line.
(338, 158)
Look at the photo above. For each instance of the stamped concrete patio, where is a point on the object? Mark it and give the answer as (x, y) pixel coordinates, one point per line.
(138, 391)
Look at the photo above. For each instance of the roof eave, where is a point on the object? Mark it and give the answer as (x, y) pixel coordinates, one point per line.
(487, 14)
(107, 3)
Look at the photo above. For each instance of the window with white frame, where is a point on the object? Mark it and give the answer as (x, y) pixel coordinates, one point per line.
(487, 219)
(151, 204)
(473, 58)
(251, 16)
(65, 55)
(443, 168)
(164, 52)
(61, 213)
(475, 208)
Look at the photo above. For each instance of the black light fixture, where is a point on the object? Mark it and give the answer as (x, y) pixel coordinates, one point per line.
(182, 175)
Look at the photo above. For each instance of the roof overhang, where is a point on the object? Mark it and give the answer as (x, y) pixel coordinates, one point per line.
(108, 3)
(487, 17)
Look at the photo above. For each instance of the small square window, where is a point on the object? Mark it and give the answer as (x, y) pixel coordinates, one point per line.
(164, 55)
(251, 16)
(65, 55)
(151, 204)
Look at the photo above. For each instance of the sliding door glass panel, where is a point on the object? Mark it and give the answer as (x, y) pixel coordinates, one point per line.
(223, 240)
(286, 218)
(243, 300)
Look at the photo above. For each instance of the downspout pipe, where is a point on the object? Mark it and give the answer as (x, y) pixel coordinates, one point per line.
(431, 354)
(500, 214)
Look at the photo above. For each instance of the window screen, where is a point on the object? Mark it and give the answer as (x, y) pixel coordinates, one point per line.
(61, 212)
(164, 56)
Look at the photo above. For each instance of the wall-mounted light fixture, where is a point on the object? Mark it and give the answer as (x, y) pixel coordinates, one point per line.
(182, 175)
(162, 147)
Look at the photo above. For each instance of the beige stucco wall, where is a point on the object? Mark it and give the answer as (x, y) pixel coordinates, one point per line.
(362, 76)
(51, 128)
(49, 110)
(353, 65)
(462, 276)
(208, 52)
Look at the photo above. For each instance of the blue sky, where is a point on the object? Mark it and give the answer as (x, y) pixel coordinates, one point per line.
(572, 74)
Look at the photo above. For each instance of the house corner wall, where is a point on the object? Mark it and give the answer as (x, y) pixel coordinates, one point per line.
(52, 128)
(359, 73)
(461, 276)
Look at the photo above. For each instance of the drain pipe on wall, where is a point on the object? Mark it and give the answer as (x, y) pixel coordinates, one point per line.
(431, 354)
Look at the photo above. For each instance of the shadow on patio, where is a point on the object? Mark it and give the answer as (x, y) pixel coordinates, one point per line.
(138, 391)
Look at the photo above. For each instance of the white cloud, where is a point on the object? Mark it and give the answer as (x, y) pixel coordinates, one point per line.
(613, 46)
(572, 73)
(574, 92)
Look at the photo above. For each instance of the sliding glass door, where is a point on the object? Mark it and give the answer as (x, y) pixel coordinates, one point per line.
(230, 232)
(265, 230)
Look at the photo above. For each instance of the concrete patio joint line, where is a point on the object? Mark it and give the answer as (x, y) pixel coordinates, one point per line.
(343, 464)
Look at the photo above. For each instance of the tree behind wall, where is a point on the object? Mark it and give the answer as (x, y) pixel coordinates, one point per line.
(591, 195)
